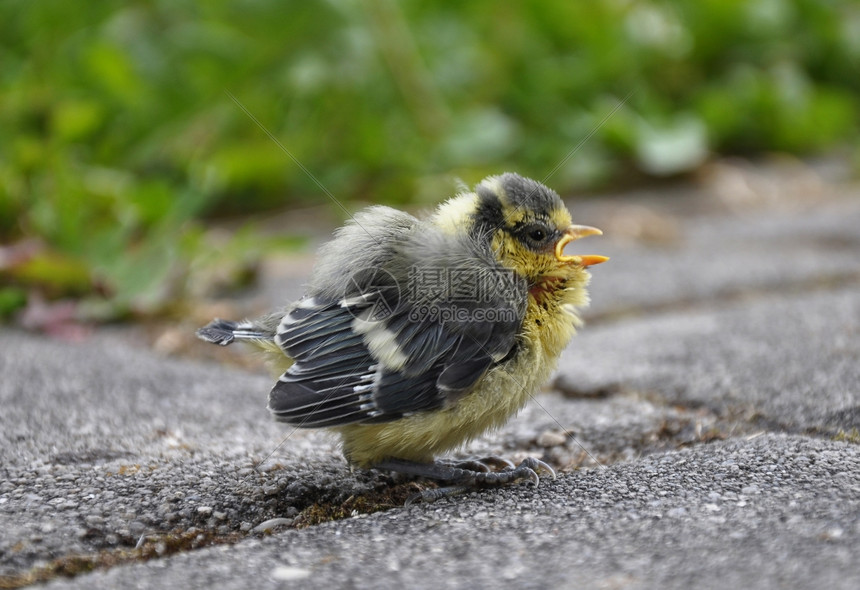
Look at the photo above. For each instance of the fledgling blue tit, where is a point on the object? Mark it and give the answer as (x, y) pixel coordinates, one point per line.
(416, 336)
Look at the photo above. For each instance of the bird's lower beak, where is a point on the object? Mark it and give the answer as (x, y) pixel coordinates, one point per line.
(574, 232)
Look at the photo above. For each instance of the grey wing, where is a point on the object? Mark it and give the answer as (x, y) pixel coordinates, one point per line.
(336, 379)
(381, 351)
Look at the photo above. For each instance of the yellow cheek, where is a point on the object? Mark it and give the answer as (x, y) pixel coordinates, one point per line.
(516, 257)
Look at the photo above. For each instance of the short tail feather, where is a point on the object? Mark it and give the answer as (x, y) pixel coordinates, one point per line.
(223, 332)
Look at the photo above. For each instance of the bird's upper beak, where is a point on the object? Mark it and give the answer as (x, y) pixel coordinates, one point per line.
(574, 232)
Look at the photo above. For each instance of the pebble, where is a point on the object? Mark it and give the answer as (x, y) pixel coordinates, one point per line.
(286, 573)
(551, 438)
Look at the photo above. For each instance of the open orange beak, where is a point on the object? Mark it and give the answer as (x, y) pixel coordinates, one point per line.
(574, 232)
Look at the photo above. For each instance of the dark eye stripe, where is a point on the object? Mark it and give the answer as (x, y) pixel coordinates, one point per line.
(524, 233)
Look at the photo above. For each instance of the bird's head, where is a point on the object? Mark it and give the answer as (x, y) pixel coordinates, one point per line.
(526, 224)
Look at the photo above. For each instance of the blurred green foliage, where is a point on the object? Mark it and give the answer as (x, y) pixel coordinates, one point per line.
(117, 136)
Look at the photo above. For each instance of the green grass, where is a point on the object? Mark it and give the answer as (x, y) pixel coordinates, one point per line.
(118, 140)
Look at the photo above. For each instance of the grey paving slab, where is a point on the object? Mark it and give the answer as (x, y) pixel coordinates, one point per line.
(792, 360)
(102, 442)
(773, 512)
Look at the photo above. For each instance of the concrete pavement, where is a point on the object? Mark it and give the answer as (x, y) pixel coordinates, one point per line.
(717, 384)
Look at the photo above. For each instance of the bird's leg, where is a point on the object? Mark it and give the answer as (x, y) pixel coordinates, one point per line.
(462, 478)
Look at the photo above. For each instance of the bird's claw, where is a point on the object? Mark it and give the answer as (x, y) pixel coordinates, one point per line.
(539, 466)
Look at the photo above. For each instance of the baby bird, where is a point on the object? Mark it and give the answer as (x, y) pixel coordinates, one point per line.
(416, 336)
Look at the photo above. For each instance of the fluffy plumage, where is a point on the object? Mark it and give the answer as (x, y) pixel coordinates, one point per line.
(417, 335)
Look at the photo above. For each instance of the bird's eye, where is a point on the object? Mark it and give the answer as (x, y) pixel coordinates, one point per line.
(537, 234)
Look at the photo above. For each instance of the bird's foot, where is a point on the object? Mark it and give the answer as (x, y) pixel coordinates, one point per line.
(485, 464)
(467, 475)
